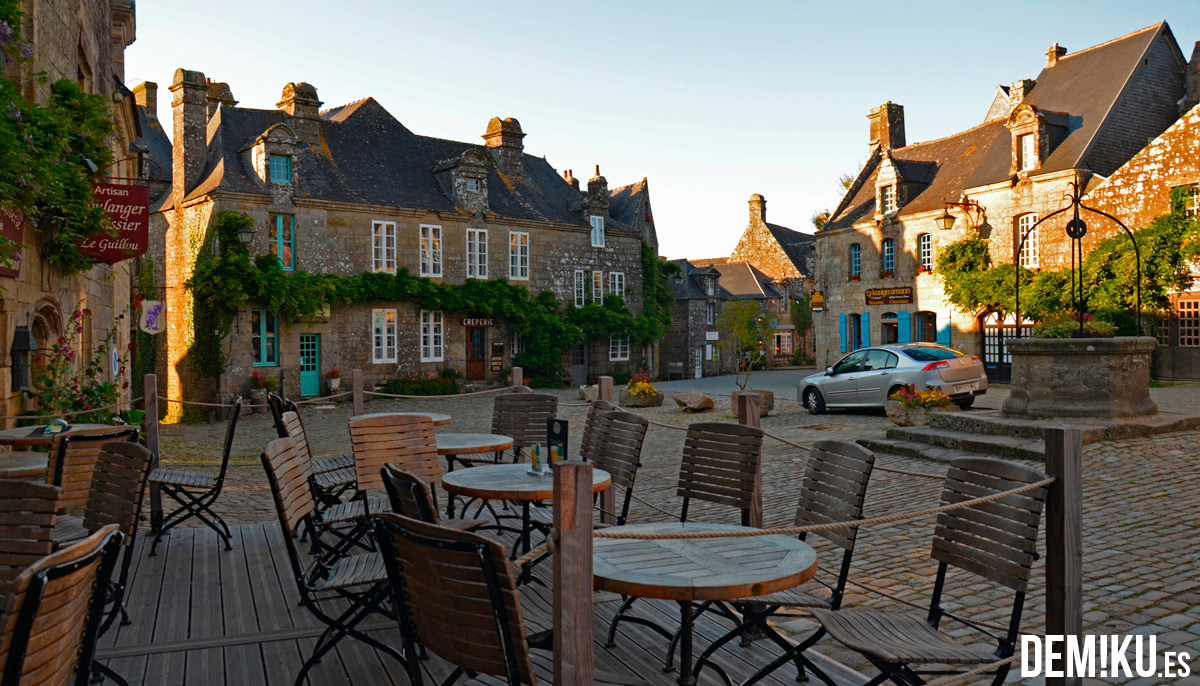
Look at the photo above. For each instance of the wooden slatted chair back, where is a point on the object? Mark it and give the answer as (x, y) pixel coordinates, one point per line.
(287, 473)
(409, 495)
(49, 630)
(834, 488)
(404, 441)
(293, 427)
(995, 540)
(230, 430)
(460, 594)
(620, 436)
(720, 461)
(73, 461)
(276, 403)
(523, 416)
(28, 512)
(589, 428)
(118, 488)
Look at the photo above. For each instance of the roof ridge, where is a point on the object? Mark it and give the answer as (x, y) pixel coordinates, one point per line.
(343, 106)
(943, 138)
(1131, 34)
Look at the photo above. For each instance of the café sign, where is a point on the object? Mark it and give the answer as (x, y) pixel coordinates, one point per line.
(900, 295)
(128, 209)
(818, 301)
(467, 321)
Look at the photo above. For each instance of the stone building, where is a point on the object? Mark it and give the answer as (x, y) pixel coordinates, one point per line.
(1081, 119)
(351, 190)
(83, 41)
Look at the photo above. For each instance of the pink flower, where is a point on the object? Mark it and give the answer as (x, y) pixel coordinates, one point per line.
(79, 329)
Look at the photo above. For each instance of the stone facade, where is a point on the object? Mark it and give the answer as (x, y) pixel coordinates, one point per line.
(345, 218)
(84, 41)
(1040, 137)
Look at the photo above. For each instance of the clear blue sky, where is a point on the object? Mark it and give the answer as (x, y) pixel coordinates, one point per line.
(712, 101)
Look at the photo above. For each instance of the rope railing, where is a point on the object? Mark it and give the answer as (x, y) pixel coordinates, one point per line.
(76, 413)
(982, 669)
(449, 395)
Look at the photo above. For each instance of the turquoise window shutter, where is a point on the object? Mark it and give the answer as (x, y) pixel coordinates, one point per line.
(842, 332)
(866, 329)
(904, 327)
(944, 333)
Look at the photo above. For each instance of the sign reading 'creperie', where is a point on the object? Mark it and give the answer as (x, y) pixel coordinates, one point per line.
(128, 209)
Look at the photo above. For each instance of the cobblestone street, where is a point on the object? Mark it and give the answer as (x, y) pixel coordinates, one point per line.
(1141, 504)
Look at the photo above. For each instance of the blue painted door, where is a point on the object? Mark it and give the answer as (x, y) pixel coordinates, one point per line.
(310, 364)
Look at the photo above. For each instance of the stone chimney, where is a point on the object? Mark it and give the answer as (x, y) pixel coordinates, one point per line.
(301, 102)
(758, 209)
(145, 94)
(1191, 82)
(887, 126)
(569, 177)
(596, 201)
(189, 113)
(219, 94)
(503, 139)
(1054, 53)
(1019, 90)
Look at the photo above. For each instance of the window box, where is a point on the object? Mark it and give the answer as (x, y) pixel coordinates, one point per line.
(885, 273)
(855, 277)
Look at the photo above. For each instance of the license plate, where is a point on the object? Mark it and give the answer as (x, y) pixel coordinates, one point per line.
(964, 387)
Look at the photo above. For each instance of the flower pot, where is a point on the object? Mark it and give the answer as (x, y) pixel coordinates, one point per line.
(335, 383)
(258, 397)
(913, 416)
(766, 400)
(627, 400)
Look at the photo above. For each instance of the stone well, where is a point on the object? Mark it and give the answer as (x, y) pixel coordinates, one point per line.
(1081, 377)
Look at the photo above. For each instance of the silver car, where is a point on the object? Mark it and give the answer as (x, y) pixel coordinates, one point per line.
(867, 377)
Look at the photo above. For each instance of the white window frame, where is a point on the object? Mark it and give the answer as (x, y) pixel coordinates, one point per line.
(783, 342)
(1027, 156)
(473, 185)
(618, 348)
(431, 250)
(383, 336)
(518, 345)
(383, 247)
(1030, 256)
(597, 286)
(477, 254)
(710, 313)
(597, 222)
(432, 336)
(580, 288)
(518, 255)
(616, 283)
(710, 286)
(925, 251)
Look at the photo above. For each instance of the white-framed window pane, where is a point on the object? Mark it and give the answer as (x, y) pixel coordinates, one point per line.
(711, 312)
(597, 231)
(473, 185)
(1030, 257)
(1027, 151)
(518, 344)
(618, 348)
(431, 336)
(616, 283)
(383, 336)
(887, 199)
(518, 255)
(1188, 318)
(431, 250)
(477, 254)
(383, 247)
(597, 287)
(580, 286)
(925, 250)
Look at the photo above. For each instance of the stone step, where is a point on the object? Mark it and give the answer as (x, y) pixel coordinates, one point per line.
(911, 449)
(991, 422)
(1017, 447)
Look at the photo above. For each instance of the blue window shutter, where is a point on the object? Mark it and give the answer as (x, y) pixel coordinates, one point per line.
(943, 336)
(866, 329)
(904, 327)
(842, 332)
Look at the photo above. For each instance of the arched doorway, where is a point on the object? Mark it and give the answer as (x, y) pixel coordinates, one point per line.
(996, 328)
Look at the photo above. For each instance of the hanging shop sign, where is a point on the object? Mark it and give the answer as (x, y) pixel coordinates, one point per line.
(12, 227)
(128, 209)
(154, 317)
(901, 295)
(818, 301)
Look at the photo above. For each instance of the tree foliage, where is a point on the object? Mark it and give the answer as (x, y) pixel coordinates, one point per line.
(744, 330)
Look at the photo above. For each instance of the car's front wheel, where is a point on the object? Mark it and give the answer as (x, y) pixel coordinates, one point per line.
(813, 401)
(964, 403)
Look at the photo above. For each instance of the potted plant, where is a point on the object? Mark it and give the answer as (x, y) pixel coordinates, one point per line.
(640, 391)
(886, 273)
(335, 379)
(259, 387)
(855, 277)
(910, 406)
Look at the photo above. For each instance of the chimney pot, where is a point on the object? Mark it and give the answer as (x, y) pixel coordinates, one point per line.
(1054, 53)
(189, 115)
(758, 209)
(301, 102)
(145, 94)
(504, 140)
(887, 126)
(1019, 90)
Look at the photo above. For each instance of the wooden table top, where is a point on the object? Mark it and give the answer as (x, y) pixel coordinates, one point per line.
(439, 418)
(699, 569)
(509, 482)
(23, 465)
(32, 435)
(469, 444)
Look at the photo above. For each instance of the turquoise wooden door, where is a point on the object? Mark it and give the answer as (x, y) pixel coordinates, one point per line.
(310, 364)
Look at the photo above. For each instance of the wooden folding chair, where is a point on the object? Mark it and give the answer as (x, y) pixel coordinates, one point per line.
(73, 462)
(196, 492)
(994, 540)
(333, 476)
(49, 628)
(411, 496)
(28, 513)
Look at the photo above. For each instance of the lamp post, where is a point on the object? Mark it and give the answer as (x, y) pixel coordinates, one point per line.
(966, 205)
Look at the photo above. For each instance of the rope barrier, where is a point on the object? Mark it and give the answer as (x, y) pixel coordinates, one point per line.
(325, 399)
(959, 678)
(200, 404)
(72, 414)
(922, 608)
(652, 506)
(424, 397)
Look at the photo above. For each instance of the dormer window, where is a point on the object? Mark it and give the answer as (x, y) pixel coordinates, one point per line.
(280, 168)
(712, 287)
(597, 231)
(473, 185)
(1027, 152)
(887, 199)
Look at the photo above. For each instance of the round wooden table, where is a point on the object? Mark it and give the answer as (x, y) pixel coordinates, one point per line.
(32, 435)
(23, 465)
(696, 570)
(439, 419)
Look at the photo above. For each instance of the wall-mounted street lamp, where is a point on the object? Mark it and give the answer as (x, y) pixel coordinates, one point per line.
(967, 206)
(246, 233)
(23, 343)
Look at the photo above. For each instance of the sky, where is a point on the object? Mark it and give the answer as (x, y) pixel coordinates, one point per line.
(711, 101)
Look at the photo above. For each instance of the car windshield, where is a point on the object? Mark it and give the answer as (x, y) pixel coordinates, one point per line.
(929, 353)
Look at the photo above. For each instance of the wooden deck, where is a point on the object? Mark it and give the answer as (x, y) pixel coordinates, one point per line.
(206, 617)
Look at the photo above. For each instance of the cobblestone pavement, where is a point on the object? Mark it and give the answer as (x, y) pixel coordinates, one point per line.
(1141, 508)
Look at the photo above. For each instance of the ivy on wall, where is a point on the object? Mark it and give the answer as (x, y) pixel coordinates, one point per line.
(44, 152)
(226, 278)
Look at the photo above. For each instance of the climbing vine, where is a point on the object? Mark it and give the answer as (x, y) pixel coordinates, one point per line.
(226, 278)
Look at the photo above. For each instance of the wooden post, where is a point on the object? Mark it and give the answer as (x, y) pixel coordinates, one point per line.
(573, 574)
(150, 402)
(1064, 540)
(357, 391)
(606, 388)
(747, 410)
(518, 376)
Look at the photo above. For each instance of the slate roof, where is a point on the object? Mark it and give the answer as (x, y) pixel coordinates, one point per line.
(155, 142)
(630, 205)
(744, 282)
(366, 156)
(691, 285)
(1078, 94)
(798, 246)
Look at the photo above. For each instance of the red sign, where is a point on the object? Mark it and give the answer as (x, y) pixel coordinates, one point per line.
(128, 210)
(12, 227)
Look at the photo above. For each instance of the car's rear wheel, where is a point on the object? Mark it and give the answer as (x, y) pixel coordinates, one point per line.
(893, 391)
(964, 403)
(813, 401)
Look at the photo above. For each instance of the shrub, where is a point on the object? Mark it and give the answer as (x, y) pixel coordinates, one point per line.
(801, 358)
(418, 383)
(910, 396)
(1067, 326)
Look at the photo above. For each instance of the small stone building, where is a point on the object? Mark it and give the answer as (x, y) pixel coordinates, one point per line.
(1083, 117)
(350, 190)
